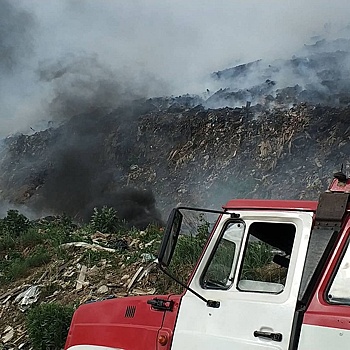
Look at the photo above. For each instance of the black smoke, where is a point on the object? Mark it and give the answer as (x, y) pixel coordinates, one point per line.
(85, 171)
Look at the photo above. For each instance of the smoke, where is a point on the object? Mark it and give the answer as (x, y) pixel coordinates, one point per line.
(101, 52)
(76, 178)
(75, 60)
(15, 37)
(81, 84)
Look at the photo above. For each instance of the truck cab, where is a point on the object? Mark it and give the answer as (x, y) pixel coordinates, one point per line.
(273, 275)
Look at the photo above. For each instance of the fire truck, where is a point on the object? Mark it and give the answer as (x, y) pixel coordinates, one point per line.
(274, 274)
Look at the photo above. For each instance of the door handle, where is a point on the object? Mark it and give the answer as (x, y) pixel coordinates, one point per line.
(268, 335)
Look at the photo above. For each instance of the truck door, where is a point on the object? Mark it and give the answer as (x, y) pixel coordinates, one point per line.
(253, 267)
(326, 321)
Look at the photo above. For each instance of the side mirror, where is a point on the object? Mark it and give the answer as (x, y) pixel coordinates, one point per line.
(170, 237)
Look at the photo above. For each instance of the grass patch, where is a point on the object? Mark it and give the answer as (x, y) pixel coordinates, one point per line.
(7, 243)
(92, 257)
(17, 266)
(31, 238)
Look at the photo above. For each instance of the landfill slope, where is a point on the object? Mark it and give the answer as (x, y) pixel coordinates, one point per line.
(188, 155)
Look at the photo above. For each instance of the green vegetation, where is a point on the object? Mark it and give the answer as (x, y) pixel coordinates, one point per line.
(186, 255)
(106, 220)
(258, 265)
(26, 244)
(48, 325)
(14, 223)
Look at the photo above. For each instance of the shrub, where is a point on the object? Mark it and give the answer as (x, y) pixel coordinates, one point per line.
(15, 268)
(39, 257)
(57, 229)
(48, 325)
(15, 223)
(105, 220)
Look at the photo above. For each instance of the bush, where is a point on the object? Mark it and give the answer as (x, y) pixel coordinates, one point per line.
(40, 257)
(15, 223)
(106, 220)
(48, 325)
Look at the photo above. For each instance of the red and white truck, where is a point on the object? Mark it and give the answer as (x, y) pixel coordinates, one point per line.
(273, 275)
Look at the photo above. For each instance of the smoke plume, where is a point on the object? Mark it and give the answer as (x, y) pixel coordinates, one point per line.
(66, 56)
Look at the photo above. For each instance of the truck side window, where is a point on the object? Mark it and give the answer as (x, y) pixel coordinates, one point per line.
(266, 258)
(219, 273)
(339, 292)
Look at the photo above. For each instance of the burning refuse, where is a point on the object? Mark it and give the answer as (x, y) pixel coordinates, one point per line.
(105, 142)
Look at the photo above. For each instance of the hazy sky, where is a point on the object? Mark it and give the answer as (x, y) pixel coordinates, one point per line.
(140, 47)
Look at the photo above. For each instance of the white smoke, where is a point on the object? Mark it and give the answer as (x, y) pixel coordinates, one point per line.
(148, 47)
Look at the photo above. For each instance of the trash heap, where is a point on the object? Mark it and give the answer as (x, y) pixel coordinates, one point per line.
(198, 156)
(85, 266)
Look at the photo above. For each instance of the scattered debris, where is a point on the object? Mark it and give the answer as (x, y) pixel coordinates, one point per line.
(13, 292)
(81, 278)
(28, 297)
(8, 334)
(87, 246)
(140, 274)
(137, 291)
(134, 278)
(147, 257)
(103, 290)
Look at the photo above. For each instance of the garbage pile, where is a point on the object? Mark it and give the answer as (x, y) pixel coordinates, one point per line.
(271, 129)
(318, 74)
(197, 156)
(82, 271)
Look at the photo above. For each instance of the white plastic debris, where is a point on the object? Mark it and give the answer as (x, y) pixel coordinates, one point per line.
(28, 297)
(146, 257)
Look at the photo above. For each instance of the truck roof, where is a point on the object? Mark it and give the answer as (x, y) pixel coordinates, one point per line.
(271, 204)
